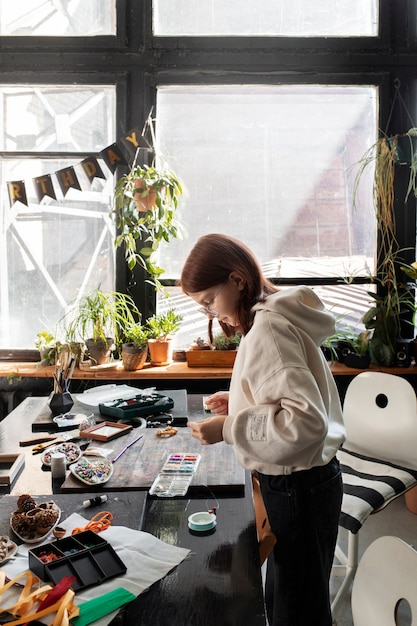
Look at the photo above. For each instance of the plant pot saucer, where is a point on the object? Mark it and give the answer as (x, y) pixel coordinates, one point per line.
(161, 363)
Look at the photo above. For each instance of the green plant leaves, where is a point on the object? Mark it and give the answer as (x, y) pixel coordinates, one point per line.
(146, 224)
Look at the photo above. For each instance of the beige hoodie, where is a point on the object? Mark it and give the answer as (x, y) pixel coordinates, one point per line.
(284, 408)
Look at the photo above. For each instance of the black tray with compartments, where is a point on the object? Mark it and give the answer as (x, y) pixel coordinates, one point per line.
(86, 555)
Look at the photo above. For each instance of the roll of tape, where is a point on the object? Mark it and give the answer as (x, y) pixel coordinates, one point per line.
(202, 521)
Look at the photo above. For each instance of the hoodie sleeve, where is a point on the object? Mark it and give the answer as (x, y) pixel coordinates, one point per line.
(285, 426)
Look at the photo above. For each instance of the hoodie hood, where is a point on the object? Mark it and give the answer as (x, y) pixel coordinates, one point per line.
(303, 308)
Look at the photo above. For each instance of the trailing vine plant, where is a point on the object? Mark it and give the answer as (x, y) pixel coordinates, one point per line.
(145, 213)
(393, 296)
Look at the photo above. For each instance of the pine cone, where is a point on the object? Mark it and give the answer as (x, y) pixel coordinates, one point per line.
(51, 508)
(45, 521)
(20, 524)
(25, 503)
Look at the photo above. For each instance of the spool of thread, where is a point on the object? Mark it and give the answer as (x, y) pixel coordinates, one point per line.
(94, 501)
(202, 521)
(58, 464)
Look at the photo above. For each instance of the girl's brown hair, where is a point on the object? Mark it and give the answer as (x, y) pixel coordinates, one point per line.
(210, 263)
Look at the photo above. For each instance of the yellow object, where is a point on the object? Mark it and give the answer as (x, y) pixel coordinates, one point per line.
(169, 431)
(32, 594)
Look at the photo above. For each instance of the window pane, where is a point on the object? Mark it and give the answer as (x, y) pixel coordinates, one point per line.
(50, 252)
(67, 18)
(274, 167)
(56, 118)
(54, 250)
(291, 18)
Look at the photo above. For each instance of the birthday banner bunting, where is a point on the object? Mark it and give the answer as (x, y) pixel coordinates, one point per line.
(116, 154)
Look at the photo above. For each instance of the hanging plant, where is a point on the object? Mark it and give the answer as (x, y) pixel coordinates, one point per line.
(145, 212)
(145, 207)
(393, 297)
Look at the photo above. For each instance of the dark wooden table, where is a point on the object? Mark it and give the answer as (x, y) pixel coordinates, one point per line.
(220, 585)
(127, 509)
(136, 469)
(220, 582)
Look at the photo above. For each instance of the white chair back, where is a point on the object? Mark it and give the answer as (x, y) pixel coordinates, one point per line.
(387, 574)
(380, 415)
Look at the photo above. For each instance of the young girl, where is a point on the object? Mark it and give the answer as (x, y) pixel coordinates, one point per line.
(282, 415)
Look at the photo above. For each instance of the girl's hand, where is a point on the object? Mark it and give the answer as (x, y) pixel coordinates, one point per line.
(218, 403)
(209, 430)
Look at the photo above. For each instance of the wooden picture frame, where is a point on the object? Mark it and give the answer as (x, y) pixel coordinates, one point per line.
(10, 467)
(105, 431)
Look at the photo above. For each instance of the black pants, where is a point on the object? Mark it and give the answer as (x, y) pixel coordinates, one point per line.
(303, 510)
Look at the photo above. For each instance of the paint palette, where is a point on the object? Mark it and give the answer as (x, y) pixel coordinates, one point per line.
(176, 475)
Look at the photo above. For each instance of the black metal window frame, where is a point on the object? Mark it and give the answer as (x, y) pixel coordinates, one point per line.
(137, 63)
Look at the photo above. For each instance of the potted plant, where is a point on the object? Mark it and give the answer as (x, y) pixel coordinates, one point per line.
(145, 207)
(200, 344)
(98, 320)
(383, 319)
(393, 297)
(134, 347)
(335, 347)
(221, 353)
(161, 329)
(358, 355)
(221, 342)
(47, 345)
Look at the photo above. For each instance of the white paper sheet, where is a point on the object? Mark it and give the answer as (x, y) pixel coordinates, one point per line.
(147, 559)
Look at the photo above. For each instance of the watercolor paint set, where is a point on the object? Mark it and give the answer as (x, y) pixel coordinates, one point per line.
(176, 475)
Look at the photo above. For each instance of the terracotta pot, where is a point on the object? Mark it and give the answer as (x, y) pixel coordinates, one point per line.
(160, 351)
(133, 358)
(144, 204)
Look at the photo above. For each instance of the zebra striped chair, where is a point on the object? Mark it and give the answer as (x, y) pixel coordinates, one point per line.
(378, 459)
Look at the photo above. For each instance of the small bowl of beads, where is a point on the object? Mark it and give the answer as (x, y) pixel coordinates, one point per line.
(92, 471)
(71, 450)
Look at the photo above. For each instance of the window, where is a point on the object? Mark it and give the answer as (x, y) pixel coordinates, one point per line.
(53, 249)
(262, 108)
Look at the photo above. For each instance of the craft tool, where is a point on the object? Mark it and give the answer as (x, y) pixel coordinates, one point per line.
(94, 501)
(41, 438)
(64, 371)
(126, 448)
(68, 436)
